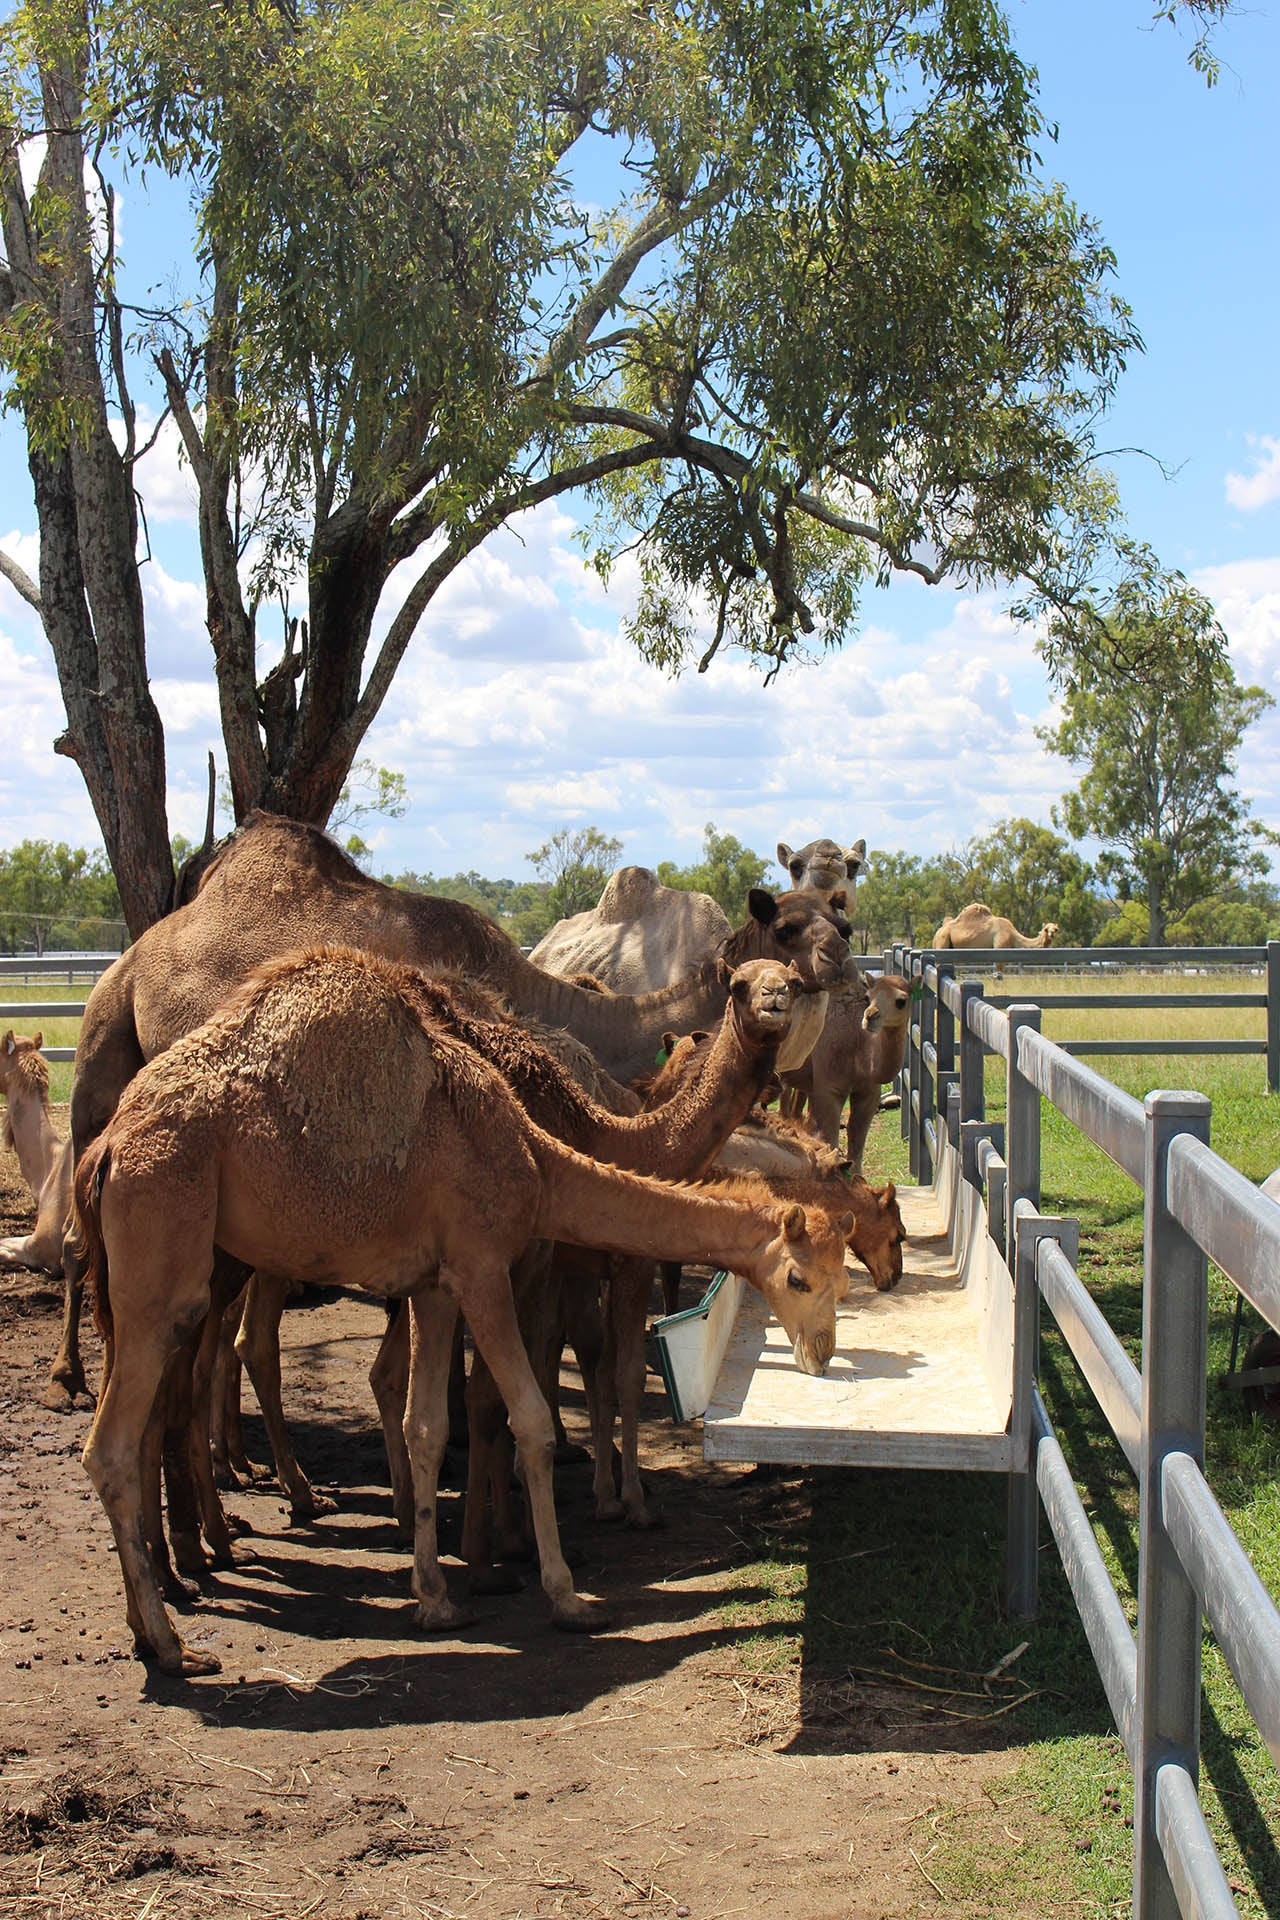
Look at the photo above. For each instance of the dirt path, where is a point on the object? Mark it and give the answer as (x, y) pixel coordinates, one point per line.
(344, 1765)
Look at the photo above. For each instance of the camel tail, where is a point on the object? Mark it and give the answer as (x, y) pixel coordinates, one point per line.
(86, 1240)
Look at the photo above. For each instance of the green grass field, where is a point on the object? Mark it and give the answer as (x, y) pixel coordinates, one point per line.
(903, 1572)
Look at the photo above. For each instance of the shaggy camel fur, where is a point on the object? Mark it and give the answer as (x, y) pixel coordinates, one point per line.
(45, 1160)
(855, 1056)
(278, 885)
(677, 1141)
(825, 866)
(977, 926)
(324, 1125)
(640, 935)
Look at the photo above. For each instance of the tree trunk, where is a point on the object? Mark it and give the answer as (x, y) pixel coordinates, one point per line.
(1155, 915)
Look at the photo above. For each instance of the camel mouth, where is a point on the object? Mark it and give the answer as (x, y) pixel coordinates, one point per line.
(809, 1359)
(872, 1020)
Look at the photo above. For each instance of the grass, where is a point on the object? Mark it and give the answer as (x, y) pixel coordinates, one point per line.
(935, 1594)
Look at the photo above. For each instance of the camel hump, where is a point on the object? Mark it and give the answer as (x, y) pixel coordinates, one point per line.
(629, 894)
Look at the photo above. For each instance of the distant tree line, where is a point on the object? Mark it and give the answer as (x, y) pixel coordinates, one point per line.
(53, 896)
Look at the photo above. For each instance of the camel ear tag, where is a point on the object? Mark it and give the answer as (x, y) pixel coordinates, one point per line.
(917, 991)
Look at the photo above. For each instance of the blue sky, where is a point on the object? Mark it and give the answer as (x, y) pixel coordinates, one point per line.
(519, 710)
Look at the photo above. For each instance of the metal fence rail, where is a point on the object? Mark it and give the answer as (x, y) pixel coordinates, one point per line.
(1191, 1564)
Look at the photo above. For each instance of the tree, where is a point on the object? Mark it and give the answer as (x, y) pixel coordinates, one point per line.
(727, 871)
(576, 863)
(1032, 874)
(1161, 747)
(57, 895)
(835, 324)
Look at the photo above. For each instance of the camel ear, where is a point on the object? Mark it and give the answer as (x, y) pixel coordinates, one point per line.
(38, 1041)
(855, 858)
(793, 1222)
(887, 1198)
(845, 1224)
(762, 906)
(784, 856)
(8, 1042)
(840, 900)
(724, 972)
(668, 1044)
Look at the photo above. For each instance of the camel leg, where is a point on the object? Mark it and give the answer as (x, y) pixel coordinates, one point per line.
(488, 1481)
(66, 1375)
(180, 1478)
(629, 1291)
(113, 1457)
(671, 1273)
(227, 1285)
(389, 1378)
(433, 1314)
(231, 1468)
(258, 1345)
(864, 1104)
(825, 1108)
(496, 1333)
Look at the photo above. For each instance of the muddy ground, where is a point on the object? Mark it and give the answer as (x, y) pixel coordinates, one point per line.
(345, 1766)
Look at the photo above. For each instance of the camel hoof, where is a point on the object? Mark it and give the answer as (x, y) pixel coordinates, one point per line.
(58, 1398)
(610, 1510)
(577, 1615)
(177, 1591)
(442, 1616)
(238, 1528)
(194, 1664)
(310, 1507)
(490, 1580)
(189, 1557)
(645, 1519)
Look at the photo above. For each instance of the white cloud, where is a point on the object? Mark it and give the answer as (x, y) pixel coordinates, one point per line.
(1249, 491)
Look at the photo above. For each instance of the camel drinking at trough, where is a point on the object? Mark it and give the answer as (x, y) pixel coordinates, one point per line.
(322, 1124)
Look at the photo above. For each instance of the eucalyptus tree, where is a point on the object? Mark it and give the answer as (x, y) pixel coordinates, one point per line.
(777, 288)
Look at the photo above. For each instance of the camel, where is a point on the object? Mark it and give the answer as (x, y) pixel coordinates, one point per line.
(856, 1054)
(547, 1072)
(977, 926)
(278, 884)
(323, 1124)
(825, 866)
(639, 936)
(45, 1160)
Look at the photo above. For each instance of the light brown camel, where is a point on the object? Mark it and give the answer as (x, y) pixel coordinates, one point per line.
(977, 926)
(45, 1159)
(857, 1054)
(547, 1075)
(824, 865)
(277, 884)
(324, 1125)
(639, 936)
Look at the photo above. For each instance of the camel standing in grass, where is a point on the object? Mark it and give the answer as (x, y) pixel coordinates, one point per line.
(324, 1125)
(45, 1160)
(977, 926)
(278, 885)
(854, 1058)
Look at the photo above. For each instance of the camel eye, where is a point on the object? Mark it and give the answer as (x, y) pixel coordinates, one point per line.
(797, 1282)
(900, 1004)
(785, 932)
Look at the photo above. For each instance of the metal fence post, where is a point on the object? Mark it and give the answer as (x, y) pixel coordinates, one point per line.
(1023, 1119)
(911, 1104)
(928, 1005)
(1174, 1339)
(1022, 1567)
(1273, 1016)
(904, 964)
(973, 1093)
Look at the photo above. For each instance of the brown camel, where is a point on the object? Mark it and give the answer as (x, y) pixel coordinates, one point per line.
(855, 1056)
(324, 1125)
(977, 926)
(639, 936)
(278, 885)
(824, 865)
(45, 1160)
(547, 1073)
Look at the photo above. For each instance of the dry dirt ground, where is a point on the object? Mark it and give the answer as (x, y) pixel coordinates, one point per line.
(345, 1766)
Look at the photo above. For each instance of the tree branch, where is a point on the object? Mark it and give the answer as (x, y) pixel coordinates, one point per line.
(22, 583)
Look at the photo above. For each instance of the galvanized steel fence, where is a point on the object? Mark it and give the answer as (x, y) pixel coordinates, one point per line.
(1196, 1208)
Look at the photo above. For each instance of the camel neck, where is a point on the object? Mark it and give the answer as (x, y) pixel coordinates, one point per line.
(680, 1139)
(594, 1206)
(623, 1031)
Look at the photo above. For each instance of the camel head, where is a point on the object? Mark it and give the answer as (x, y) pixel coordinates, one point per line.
(762, 994)
(1049, 933)
(804, 1277)
(801, 928)
(877, 1237)
(888, 1003)
(823, 864)
(16, 1054)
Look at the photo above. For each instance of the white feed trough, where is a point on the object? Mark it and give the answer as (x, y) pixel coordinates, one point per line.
(922, 1376)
